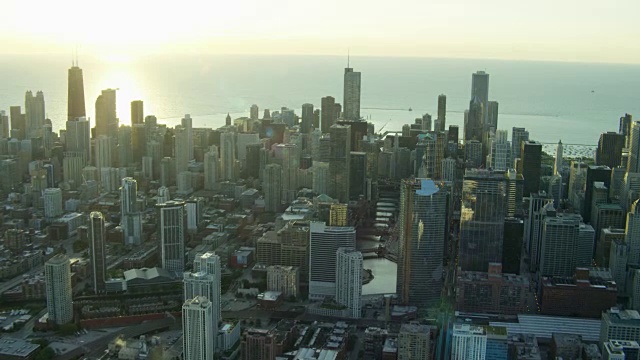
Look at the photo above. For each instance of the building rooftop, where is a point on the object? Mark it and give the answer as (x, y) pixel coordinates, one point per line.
(270, 295)
(16, 347)
(544, 326)
(415, 328)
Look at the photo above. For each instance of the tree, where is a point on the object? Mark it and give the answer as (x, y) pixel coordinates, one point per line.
(45, 354)
(67, 329)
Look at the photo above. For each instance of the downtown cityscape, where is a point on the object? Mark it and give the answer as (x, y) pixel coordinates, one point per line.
(309, 233)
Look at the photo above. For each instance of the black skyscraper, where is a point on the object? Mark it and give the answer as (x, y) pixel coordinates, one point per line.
(531, 164)
(594, 174)
(609, 151)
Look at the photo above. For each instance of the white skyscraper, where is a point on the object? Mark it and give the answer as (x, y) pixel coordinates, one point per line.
(198, 329)
(57, 273)
(130, 216)
(500, 154)
(325, 242)
(205, 280)
(52, 202)
(469, 342)
(351, 98)
(349, 280)
(211, 168)
(187, 124)
(557, 166)
(320, 177)
(172, 229)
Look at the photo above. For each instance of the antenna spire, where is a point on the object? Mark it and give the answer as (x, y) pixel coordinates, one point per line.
(348, 57)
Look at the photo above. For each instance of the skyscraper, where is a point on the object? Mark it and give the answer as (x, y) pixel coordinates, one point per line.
(492, 116)
(137, 112)
(633, 164)
(52, 202)
(473, 125)
(211, 168)
(106, 120)
(500, 152)
(57, 274)
(325, 241)
(130, 216)
(351, 99)
(340, 162)
(306, 121)
(34, 114)
(625, 128)
(422, 237)
(632, 233)
(594, 174)
(442, 112)
(560, 237)
(349, 280)
(531, 164)
(609, 152)
(227, 155)
(480, 90)
(198, 329)
(98, 251)
(272, 187)
(484, 198)
(557, 166)
(18, 127)
(253, 112)
(103, 152)
(358, 175)
(416, 341)
(328, 113)
(518, 135)
(289, 154)
(181, 149)
(205, 281)
(75, 94)
(172, 229)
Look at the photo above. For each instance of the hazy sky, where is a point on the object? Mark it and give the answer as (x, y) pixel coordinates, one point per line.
(565, 30)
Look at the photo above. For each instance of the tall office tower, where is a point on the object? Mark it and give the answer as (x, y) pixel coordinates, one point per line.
(172, 228)
(57, 275)
(199, 331)
(473, 154)
(633, 164)
(577, 180)
(560, 236)
(4, 125)
(320, 177)
(515, 187)
(484, 198)
(492, 116)
(137, 112)
(327, 114)
(130, 216)
(631, 190)
(252, 165)
(139, 143)
(324, 243)
(340, 162)
(125, 150)
(181, 149)
(72, 164)
(416, 341)
(442, 111)
(75, 93)
(290, 159)
(500, 153)
(34, 114)
(211, 168)
(98, 251)
(468, 342)
(594, 174)
(449, 169)
(338, 215)
(618, 260)
(518, 135)
(480, 90)
(555, 189)
(425, 159)
(253, 112)
(609, 152)
(106, 120)
(422, 224)
(349, 280)
(625, 128)
(52, 202)
(272, 187)
(557, 165)
(351, 99)
(358, 175)
(18, 126)
(531, 164)
(473, 125)
(306, 123)
(78, 137)
(103, 152)
(187, 123)
(632, 233)
(227, 155)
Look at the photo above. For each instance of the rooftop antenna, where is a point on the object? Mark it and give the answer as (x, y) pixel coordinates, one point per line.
(348, 56)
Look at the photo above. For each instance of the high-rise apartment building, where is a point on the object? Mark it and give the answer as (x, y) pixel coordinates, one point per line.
(325, 242)
(349, 280)
(130, 215)
(254, 112)
(52, 198)
(106, 120)
(57, 274)
(228, 155)
(484, 207)
(199, 332)
(75, 94)
(285, 279)
(500, 152)
(557, 165)
(306, 121)
(422, 237)
(351, 99)
(172, 229)
(272, 187)
(473, 124)
(442, 112)
(340, 162)
(97, 247)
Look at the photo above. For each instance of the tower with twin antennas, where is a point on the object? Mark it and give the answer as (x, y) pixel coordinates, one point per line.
(75, 100)
(351, 99)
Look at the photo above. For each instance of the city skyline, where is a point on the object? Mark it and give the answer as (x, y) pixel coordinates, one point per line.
(570, 33)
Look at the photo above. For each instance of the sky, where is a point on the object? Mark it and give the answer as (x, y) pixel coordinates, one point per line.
(118, 30)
